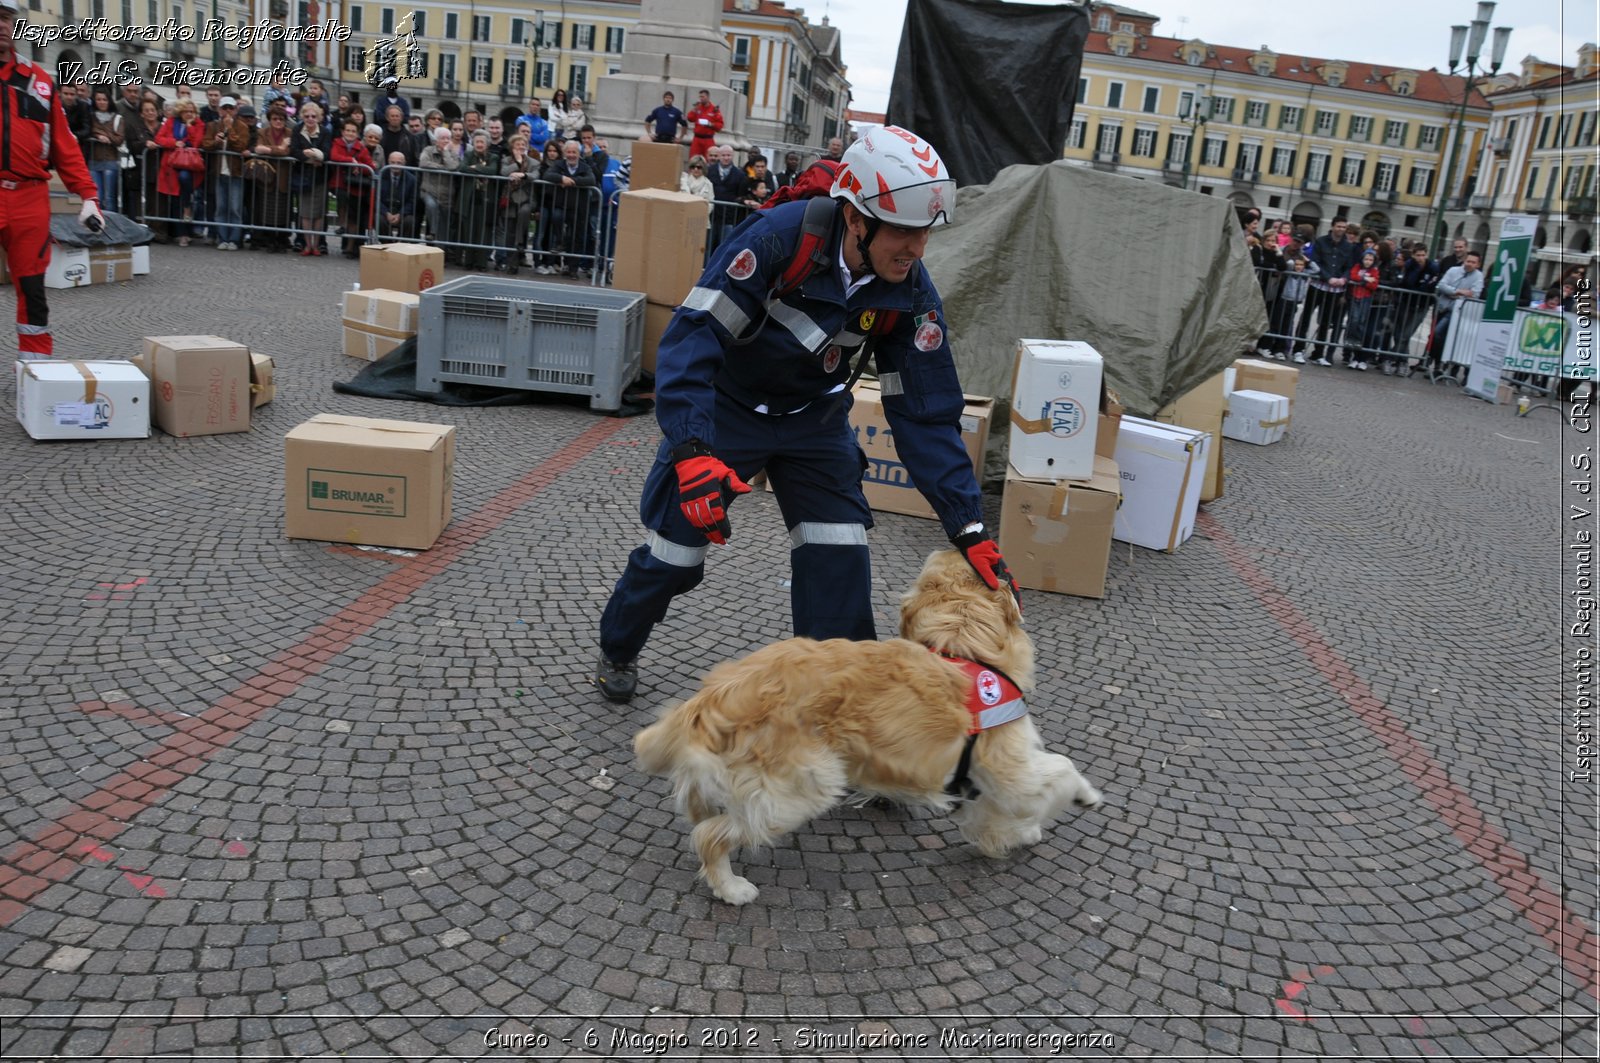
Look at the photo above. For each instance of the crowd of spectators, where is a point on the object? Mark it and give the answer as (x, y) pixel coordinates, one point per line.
(1368, 296)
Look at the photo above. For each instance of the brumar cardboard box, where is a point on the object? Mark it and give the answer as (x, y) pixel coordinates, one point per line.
(58, 399)
(1161, 466)
(109, 265)
(200, 385)
(886, 483)
(661, 243)
(401, 267)
(1056, 534)
(1055, 402)
(368, 481)
(656, 320)
(1202, 408)
(1257, 417)
(1253, 374)
(262, 389)
(378, 320)
(657, 165)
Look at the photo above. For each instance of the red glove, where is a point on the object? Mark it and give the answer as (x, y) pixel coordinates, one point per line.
(984, 557)
(703, 484)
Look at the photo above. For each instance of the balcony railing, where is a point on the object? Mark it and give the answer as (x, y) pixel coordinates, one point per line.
(1175, 166)
(1500, 145)
(1385, 195)
(1479, 203)
(1249, 177)
(445, 85)
(1581, 206)
(1311, 184)
(1107, 158)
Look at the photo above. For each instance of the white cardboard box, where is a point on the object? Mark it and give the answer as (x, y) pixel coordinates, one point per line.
(68, 268)
(1055, 407)
(1162, 468)
(83, 400)
(1257, 417)
(141, 260)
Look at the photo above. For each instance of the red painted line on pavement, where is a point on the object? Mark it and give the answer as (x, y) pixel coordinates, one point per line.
(1571, 938)
(30, 867)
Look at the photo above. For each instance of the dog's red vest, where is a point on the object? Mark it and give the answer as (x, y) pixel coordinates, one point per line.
(992, 697)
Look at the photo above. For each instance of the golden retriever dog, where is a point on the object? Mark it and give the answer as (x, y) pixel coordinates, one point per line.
(778, 737)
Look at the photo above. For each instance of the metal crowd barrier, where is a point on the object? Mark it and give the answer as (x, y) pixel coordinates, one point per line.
(1389, 329)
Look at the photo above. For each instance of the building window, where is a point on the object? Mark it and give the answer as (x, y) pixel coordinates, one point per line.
(1255, 113)
(355, 57)
(1574, 181)
(1121, 49)
(1185, 104)
(1178, 149)
(1152, 100)
(545, 74)
(1386, 177)
(386, 20)
(1075, 134)
(582, 37)
(447, 67)
(1249, 158)
(1213, 152)
(1563, 128)
(1352, 170)
(740, 84)
(1109, 141)
(797, 109)
(1533, 181)
(741, 51)
(550, 35)
(355, 18)
(452, 26)
(1289, 118)
(1544, 132)
(1114, 95)
(1144, 143)
(578, 80)
(1586, 123)
(1222, 108)
(1283, 162)
(1394, 133)
(1421, 182)
(480, 28)
(1194, 57)
(1317, 166)
(1083, 88)
(1327, 123)
(1103, 23)
(155, 12)
(615, 35)
(1428, 137)
(482, 69)
(514, 73)
(1360, 127)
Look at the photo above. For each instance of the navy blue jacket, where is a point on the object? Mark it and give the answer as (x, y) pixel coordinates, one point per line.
(805, 348)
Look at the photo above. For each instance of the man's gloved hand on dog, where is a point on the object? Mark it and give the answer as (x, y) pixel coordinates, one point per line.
(984, 557)
(702, 484)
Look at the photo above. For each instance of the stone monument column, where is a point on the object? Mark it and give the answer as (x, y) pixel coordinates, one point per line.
(676, 47)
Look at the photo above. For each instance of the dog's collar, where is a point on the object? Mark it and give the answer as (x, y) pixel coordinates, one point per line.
(993, 698)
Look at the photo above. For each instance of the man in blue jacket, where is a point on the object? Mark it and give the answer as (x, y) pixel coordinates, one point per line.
(537, 126)
(1333, 255)
(753, 373)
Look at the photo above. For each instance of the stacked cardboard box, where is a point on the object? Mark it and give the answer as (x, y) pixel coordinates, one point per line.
(401, 267)
(1056, 388)
(368, 481)
(262, 388)
(83, 400)
(200, 385)
(1258, 417)
(1162, 467)
(657, 166)
(377, 320)
(886, 483)
(1056, 534)
(661, 250)
(1203, 409)
(1253, 374)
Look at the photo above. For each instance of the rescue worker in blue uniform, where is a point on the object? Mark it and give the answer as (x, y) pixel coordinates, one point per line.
(749, 378)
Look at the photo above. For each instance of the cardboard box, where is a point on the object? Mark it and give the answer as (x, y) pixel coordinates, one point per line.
(1056, 534)
(109, 265)
(141, 260)
(657, 165)
(1105, 436)
(1257, 417)
(656, 320)
(62, 201)
(1254, 374)
(886, 482)
(661, 244)
(68, 268)
(370, 344)
(382, 310)
(1202, 408)
(200, 385)
(262, 389)
(1162, 467)
(401, 267)
(368, 481)
(1055, 401)
(58, 399)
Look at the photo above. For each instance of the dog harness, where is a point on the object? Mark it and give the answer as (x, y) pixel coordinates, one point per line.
(993, 698)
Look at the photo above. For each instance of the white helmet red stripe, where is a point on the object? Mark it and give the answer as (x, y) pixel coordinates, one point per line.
(895, 176)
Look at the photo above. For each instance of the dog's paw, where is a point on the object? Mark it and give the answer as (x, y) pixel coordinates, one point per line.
(736, 891)
(1088, 797)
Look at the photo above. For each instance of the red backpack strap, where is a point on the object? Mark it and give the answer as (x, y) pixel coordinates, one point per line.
(812, 252)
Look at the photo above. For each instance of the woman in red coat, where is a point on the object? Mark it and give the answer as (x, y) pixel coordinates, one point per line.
(351, 184)
(174, 184)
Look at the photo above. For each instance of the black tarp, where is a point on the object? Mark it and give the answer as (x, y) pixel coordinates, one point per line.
(988, 84)
(119, 229)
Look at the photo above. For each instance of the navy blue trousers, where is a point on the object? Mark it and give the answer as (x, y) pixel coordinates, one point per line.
(815, 467)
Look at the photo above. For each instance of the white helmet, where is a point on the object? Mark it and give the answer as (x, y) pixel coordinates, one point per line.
(894, 176)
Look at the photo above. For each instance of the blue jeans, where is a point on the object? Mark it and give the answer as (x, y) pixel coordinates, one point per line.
(107, 182)
(229, 209)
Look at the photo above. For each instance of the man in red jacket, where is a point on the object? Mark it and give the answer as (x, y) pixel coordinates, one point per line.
(34, 136)
(705, 122)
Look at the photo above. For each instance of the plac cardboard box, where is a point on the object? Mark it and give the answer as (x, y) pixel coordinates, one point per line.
(1055, 405)
(60, 399)
(1056, 534)
(368, 481)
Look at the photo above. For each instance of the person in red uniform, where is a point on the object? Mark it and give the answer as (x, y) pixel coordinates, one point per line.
(34, 136)
(705, 122)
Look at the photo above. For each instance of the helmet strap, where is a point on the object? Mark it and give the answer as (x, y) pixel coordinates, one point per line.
(865, 240)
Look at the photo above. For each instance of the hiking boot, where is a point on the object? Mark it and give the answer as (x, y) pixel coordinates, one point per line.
(616, 681)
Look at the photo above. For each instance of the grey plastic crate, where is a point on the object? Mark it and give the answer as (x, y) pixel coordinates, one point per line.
(530, 337)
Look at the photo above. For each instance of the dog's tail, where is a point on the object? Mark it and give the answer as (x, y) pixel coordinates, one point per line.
(674, 747)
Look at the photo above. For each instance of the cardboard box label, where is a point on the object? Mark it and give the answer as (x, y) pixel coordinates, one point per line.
(367, 493)
(886, 481)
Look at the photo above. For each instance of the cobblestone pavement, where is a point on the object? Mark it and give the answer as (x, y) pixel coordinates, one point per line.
(284, 799)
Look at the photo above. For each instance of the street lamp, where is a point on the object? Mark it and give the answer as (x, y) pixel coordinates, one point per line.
(1468, 38)
(1193, 114)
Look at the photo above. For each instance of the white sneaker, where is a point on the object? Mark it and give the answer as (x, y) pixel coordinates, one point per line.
(1361, 367)
(1299, 359)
